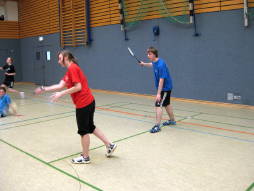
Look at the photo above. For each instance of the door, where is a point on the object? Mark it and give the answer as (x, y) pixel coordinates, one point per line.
(39, 66)
(42, 65)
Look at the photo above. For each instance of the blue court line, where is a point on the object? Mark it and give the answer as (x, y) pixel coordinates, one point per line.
(192, 116)
(37, 122)
(62, 104)
(202, 132)
(65, 104)
(237, 125)
(182, 128)
(31, 119)
(2, 124)
(149, 106)
(131, 103)
(197, 131)
(207, 133)
(195, 111)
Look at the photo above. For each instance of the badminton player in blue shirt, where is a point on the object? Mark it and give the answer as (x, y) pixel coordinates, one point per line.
(163, 84)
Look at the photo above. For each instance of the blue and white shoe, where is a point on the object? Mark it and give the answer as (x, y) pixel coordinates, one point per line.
(169, 122)
(155, 129)
(110, 149)
(81, 160)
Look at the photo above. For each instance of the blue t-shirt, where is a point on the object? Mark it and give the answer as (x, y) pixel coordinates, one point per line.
(4, 104)
(161, 70)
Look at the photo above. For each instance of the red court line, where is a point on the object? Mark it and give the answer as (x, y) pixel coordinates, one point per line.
(123, 112)
(186, 123)
(19, 115)
(240, 106)
(219, 128)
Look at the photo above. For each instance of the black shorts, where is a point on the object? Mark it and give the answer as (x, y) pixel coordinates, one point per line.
(84, 117)
(165, 99)
(8, 83)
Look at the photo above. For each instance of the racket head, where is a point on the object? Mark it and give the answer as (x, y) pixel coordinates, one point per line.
(132, 54)
(130, 51)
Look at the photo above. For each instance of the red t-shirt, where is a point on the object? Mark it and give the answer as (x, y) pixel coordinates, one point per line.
(74, 75)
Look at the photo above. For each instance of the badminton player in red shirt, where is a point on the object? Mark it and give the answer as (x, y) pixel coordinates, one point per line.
(75, 83)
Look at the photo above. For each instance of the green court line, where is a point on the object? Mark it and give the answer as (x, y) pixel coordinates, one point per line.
(251, 187)
(131, 103)
(224, 123)
(38, 118)
(68, 105)
(52, 166)
(142, 110)
(45, 116)
(41, 100)
(111, 104)
(119, 140)
(36, 122)
(63, 104)
(193, 117)
(66, 173)
(151, 105)
(197, 113)
(218, 115)
(72, 155)
(31, 119)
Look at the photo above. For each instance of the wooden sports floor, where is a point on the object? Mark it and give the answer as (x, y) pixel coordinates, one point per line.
(210, 149)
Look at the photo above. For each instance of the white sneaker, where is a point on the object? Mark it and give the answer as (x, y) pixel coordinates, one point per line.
(22, 95)
(110, 149)
(81, 160)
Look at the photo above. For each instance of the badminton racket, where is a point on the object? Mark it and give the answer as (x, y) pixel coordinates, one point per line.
(133, 55)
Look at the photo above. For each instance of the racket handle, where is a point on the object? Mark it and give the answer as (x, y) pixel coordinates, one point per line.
(138, 60)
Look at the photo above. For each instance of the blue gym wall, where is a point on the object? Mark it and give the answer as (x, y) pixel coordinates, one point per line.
(207, 67)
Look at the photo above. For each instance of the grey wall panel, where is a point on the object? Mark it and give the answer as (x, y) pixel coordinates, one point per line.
(207, 67)
(109, 66)
(29, 46)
